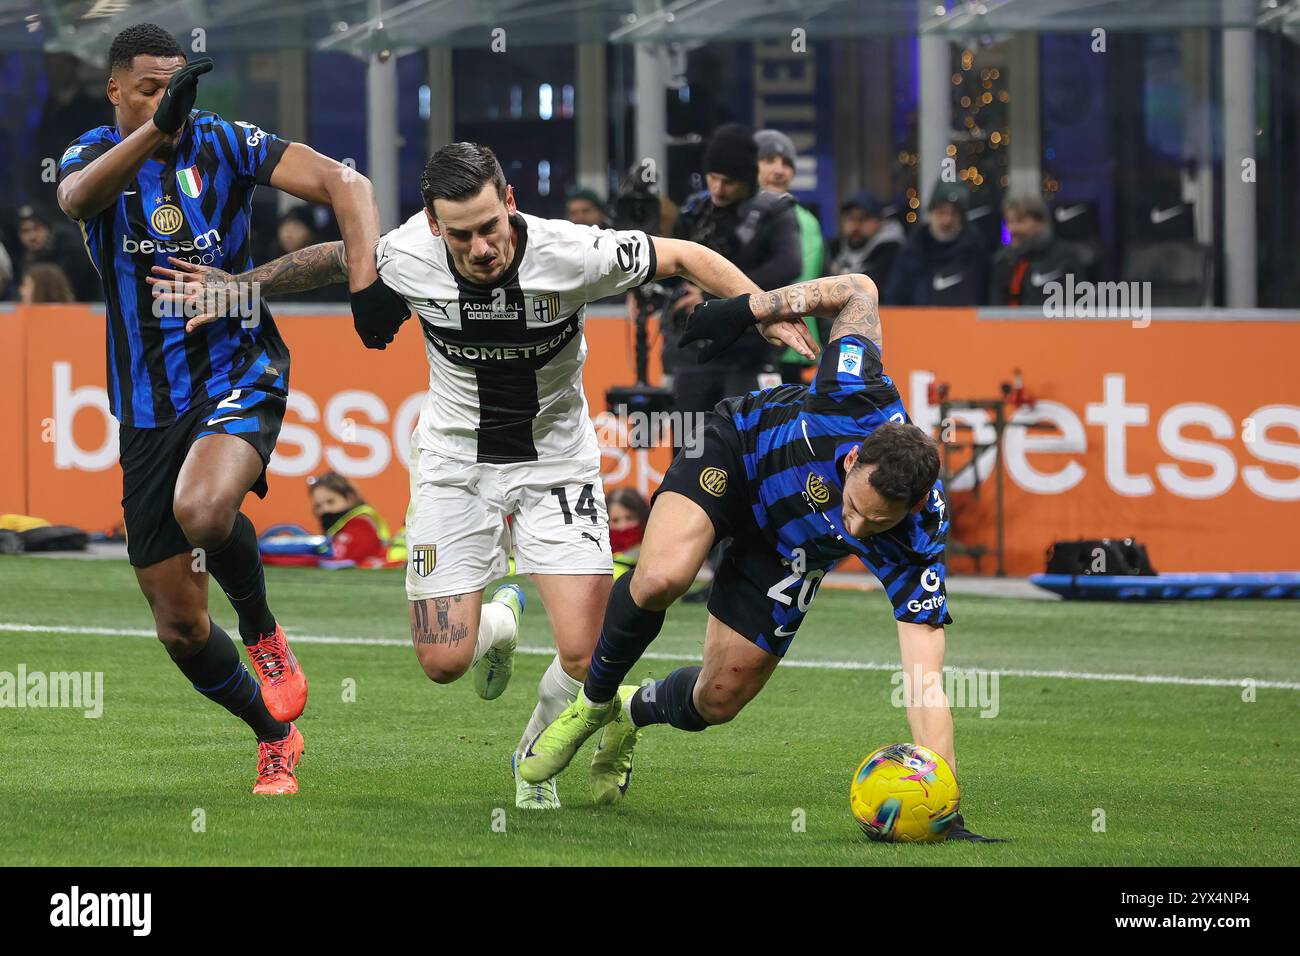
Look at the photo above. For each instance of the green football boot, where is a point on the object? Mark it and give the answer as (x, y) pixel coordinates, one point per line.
(611, 766)
(555, 746)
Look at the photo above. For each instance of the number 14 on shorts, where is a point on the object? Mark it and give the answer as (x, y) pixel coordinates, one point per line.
(584, 508)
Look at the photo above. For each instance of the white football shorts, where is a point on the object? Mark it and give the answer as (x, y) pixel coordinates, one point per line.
(458, 537)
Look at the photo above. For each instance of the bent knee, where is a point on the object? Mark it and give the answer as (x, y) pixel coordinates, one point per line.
(655, 589)
(206, 524)
(183, 633)
(720, 705)
(441, 668)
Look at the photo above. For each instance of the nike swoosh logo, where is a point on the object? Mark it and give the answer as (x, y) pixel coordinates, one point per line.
(1040, 279)
(1164, 215)
(228, 418)
(807, 440)
(782, 632)
(1066, 213)
(947, 282)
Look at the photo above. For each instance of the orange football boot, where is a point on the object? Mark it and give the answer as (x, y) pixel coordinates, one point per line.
(276, 762)
(284, 685)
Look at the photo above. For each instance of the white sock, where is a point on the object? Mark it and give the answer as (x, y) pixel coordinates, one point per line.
(496, 626)
(555, 691)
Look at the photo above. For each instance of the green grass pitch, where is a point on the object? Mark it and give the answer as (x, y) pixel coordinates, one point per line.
(416, 774)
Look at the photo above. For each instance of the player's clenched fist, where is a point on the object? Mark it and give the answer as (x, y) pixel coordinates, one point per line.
(179, 98)
(377, 313)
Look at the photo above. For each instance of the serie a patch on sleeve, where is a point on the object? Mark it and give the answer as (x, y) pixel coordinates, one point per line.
(851, 359)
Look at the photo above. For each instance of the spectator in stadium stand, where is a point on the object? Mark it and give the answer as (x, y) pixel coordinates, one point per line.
(1034, 259)
(44, 242)
(777, 161)
(868, 243)
(945, 263)
(302, 226)
(44, 282)
(356, 531)
(756, 230)
(67, 112)
(585, 207)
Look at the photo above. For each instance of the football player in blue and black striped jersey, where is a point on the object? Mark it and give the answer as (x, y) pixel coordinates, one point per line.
(200, 412)
(798, 477)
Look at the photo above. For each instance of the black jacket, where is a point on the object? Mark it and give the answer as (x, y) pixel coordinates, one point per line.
(761, 237)
(930, 272)
(874, 258)
(1034, 265)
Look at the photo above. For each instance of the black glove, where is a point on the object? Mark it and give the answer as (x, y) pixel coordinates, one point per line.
(179, 98)
(719, 322)
(377, 313)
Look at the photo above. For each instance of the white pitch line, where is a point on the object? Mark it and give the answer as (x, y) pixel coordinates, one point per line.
(657, 656)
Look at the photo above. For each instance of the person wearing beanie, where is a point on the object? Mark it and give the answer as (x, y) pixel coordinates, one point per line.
(777, 161)
(944, 263)
(755, 229)
(868, 243)
(45, 241)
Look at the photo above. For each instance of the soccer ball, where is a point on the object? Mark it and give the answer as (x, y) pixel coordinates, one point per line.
(904, 794)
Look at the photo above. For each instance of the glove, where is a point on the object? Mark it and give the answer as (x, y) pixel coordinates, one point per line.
(377, 313)
(719, 322)
(179, 98)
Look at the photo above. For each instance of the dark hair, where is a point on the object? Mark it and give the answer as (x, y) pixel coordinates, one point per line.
(630, 499)
(460, 171)
(143, 39)
(49, 283)
(337, 484)
(906, 460)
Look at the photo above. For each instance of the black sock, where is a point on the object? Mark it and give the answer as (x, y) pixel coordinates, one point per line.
(669, 701)
(219, 675)
(628, 630)
(237, 566)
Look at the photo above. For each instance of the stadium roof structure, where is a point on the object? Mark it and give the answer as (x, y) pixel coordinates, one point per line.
(365, 26)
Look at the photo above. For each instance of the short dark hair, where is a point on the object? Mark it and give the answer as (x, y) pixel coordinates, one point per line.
(460, 171)
(142, 39)
(906, 460)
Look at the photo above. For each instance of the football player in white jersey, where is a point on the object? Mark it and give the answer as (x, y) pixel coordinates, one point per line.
(505, 453)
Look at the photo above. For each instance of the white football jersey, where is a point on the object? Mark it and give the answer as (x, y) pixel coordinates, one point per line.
(505, 360)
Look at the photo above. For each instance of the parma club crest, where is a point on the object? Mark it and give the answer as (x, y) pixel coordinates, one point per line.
(546, 308)
(424, 557)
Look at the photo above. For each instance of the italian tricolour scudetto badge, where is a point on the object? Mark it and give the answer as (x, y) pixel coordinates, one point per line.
(190, 181)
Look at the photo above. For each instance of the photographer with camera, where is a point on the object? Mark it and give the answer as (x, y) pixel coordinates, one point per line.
(757, 231)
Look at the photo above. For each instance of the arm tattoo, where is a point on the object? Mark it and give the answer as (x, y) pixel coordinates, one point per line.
(308, 268)
(849, 299)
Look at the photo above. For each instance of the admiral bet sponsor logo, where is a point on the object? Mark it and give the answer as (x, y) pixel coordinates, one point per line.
(77, 909)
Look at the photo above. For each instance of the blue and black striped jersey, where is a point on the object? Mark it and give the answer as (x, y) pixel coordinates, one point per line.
(793, 439)
(195, 206)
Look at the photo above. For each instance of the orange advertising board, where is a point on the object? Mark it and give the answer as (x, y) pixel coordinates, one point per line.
(1184, 434)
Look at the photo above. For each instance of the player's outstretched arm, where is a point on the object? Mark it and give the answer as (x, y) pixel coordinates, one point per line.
(206, 293)
(851, 300)
(717, 276)
(305, 173)
(928, 713)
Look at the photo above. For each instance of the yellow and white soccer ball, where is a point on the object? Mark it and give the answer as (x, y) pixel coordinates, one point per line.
(904, 794)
